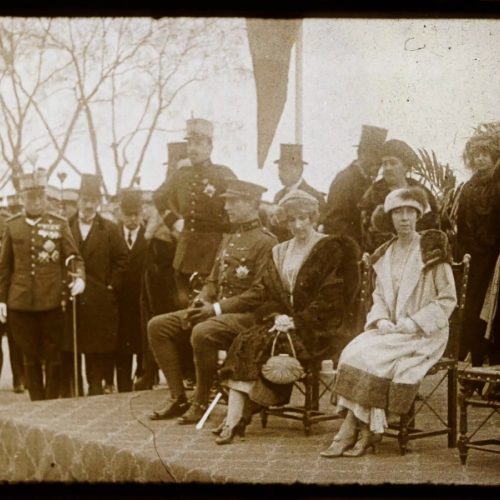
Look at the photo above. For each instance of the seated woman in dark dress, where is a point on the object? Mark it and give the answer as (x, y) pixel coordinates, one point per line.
(307, 292)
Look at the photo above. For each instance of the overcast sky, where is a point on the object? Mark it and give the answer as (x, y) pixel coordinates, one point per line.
(428, 81)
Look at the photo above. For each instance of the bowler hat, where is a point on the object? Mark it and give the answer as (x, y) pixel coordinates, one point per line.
(35, 180)
(291, 153)
(372, 139)
(401, 150)
(131, 200)
(199, 127)
(90, 185)
(243, 189)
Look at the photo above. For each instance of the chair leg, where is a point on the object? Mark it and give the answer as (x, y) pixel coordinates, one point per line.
(263, 418)
(462, 440)
(452, 407)
(403, 436)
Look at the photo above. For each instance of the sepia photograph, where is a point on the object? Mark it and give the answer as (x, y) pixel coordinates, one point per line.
(250, 250)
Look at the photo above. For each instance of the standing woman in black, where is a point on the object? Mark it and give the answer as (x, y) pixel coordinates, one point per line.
(478, 234)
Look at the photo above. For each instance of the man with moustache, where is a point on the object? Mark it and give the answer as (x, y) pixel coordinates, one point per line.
(240, 262)
(193, 193)
(105, 255)
(36, 247)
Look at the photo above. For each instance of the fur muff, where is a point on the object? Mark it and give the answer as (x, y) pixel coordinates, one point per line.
(324, 295)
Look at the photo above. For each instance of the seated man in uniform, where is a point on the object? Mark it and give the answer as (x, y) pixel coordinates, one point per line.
(239, 264)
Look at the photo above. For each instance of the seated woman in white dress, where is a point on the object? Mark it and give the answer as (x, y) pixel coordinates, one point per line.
(406, 330)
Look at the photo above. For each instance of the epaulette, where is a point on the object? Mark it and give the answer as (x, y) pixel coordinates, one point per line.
(13, 217)
(57, 216)
(267, 231)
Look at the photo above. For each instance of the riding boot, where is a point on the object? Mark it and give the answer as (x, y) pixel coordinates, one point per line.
(34, 376)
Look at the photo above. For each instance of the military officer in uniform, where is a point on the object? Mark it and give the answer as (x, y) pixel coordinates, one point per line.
(35, 248)
(239, 264)
(193, 193)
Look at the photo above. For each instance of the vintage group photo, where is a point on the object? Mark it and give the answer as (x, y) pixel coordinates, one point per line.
(249, 251)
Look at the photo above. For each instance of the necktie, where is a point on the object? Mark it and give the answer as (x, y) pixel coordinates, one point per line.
(129, 239)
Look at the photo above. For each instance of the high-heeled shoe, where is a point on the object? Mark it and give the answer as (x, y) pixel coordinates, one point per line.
(367, 441)
(339, 446)
(218, 430)
(228, 434)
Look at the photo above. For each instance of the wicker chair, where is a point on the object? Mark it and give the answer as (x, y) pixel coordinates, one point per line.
(447, 366)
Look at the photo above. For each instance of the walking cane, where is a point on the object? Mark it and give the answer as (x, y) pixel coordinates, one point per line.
(73, 274)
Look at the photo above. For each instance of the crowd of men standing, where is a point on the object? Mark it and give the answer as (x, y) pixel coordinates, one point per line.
(105, 278)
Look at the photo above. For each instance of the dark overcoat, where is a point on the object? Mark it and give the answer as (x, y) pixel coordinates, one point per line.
(281, 230)
(104, 253)
(346, 191)
(478, 219)
(129, 297)
(325, 287)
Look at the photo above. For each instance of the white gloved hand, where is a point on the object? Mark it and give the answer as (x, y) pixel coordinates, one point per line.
(406, 325)
(77, 286)
(179, 225)
(3, 312)
(386, 326)
(282, 323)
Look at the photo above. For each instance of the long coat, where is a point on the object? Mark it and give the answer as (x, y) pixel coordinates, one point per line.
(478, 219)
(325, 286)
(346, 191)
(129, 297)
(105, 256)
(384, 370)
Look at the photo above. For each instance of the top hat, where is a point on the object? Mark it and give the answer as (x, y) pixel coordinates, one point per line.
(372, 139)
(243, 189)
(291, 153)
(35, 180)
(90, 185)
(131, 200)
(400, 150)
(199, 127)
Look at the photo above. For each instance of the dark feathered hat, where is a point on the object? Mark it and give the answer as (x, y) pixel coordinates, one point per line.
(487, 137)
(400, 149)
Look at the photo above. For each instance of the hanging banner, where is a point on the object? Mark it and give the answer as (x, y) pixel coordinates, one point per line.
(271, 43)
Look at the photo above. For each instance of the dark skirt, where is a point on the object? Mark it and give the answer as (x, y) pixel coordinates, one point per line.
(249, 352)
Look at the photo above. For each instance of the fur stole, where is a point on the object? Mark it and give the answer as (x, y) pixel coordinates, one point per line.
(434, 247)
